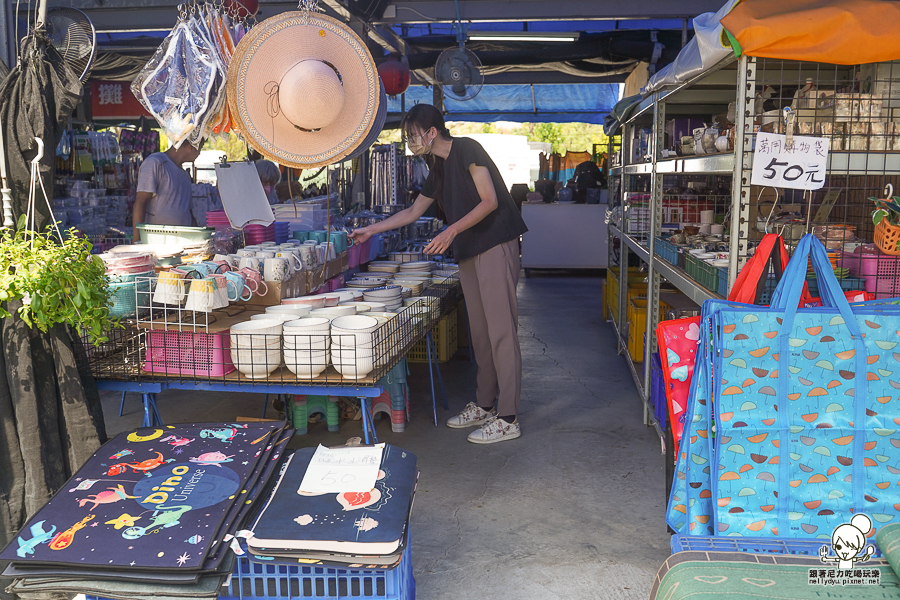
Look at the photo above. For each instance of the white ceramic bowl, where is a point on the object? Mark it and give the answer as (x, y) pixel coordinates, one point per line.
(300, 310)
(255, 364)
(354, 330)
(274, 317)
(307, 342)
(352, 363)
(375, 306)
(330, 300)
(360, 307)
(258, 333)
(345, 297)
(381, 314)
(334, 311)
(311, 301)
(306, 364)
(307, 325)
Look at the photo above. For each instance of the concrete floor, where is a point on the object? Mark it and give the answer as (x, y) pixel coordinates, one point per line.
(573, 509)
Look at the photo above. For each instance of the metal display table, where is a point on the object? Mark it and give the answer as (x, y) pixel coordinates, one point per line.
(121, 364)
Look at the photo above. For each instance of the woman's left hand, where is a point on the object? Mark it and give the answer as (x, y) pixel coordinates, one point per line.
(442, 242)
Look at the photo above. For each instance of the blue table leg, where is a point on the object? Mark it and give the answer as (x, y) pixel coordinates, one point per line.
(122, 404)
(367, 421)
(437, 368)
(265, 405)
(151, 413)
(431, 377)
(147, 422)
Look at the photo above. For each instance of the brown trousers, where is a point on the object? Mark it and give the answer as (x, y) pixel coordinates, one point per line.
(489, 283)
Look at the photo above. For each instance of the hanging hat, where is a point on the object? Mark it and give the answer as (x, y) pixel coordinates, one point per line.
(304, 89)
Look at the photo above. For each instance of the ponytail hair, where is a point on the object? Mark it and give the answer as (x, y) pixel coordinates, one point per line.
(423, 117)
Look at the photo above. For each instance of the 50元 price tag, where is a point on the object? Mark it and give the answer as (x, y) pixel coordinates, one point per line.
(799, 165)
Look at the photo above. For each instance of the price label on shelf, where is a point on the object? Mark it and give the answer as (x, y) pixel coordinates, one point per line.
(336, 470)
(798, 165)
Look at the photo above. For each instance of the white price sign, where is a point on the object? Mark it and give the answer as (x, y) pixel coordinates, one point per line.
(799, 165)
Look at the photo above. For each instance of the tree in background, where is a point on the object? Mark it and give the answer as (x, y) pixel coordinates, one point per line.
(232, 145)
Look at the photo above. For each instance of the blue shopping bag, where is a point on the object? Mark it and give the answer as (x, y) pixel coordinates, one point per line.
(806, 411)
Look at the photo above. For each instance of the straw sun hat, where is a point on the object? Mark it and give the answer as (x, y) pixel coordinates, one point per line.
(304, 89)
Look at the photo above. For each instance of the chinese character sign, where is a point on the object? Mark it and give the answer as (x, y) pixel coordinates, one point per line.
(799, 165)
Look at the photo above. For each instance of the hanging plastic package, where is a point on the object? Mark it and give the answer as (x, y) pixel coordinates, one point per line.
(176, 83)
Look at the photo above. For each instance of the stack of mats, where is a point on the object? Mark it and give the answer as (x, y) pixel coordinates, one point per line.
(794, 572)
(150, 515)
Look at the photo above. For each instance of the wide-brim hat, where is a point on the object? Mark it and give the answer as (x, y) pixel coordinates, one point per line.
(303, 89)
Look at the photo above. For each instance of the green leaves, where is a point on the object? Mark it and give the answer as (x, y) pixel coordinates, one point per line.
(886, 209)
(58, 280)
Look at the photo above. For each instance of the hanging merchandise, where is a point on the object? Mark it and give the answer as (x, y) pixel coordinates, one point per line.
(303, 89)
(790, 417)
(183, 84)
(394, 74)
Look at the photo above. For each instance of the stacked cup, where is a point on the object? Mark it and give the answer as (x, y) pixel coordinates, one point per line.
(306, 345)
(256, 347)
(352, 345)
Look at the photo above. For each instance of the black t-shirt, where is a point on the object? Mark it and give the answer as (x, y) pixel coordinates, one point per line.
(460, 196)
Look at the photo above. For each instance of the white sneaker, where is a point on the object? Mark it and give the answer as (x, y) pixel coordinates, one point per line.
(470, 416)
(495, 430)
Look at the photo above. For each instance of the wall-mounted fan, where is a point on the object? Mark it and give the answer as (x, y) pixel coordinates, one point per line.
(72, 34)
(459, 72)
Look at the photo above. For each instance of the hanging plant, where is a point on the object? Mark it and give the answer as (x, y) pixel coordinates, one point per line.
(57, 280)
(886, 209)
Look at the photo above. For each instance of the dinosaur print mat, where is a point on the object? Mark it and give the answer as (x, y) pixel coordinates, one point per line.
(152, 499)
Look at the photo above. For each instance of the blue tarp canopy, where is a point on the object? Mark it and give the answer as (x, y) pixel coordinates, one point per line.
(539, 103)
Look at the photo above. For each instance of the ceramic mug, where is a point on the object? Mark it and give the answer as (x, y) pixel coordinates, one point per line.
(255, 281)
(237, 284)
(170, 287)
(293, 261)
(251, 262)
(246, 252)
(276, 269)
(228, 258)
(264, 254)
(265, 244)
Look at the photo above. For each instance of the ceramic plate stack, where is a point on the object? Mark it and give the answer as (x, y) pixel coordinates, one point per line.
(365, 283)
(390, 295)
(384, 266)
(256, 234)
(123, 264)
(166, 255)
(217, 219)
(415, 285)
(420, 266)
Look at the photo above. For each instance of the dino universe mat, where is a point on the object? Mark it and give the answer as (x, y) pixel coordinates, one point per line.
(154, 498)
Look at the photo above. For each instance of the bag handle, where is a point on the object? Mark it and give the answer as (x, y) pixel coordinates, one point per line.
(787, 298)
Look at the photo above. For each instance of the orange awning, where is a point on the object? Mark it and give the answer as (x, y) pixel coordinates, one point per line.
(841, 32)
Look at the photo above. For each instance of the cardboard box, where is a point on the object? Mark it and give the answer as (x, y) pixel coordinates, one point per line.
(333, 268)
(279, 290)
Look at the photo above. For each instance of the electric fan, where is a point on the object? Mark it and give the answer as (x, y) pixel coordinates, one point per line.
(72, 34)
(458, 71)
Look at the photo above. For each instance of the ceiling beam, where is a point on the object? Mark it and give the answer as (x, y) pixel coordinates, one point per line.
(443, 11)
(536, 77)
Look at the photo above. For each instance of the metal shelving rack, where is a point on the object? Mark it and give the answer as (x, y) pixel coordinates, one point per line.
(732, 80)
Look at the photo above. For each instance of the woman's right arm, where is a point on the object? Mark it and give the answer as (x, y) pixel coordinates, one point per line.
(404, 217)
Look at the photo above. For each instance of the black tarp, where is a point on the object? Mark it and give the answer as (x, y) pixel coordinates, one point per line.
(51, 419)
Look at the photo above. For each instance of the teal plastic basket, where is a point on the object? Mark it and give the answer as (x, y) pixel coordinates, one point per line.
(123, 301)
(129, 278)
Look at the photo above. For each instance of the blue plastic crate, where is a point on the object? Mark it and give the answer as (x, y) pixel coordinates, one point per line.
(706, 543)
(252, 580)
(723, 282)
(667, 251)
(847, 284)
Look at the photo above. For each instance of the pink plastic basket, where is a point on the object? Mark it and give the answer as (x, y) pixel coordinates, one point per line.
(883, 287)
(353, 256)
(189, 353)
(871, 265)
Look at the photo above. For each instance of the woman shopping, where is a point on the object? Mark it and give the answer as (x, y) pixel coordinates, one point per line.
(483, 228)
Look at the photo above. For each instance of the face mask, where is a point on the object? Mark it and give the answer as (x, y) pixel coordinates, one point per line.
(418, 148)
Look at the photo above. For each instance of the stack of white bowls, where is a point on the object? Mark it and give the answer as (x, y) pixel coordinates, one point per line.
(307, 343)
(310, 301)
(415, 284)
(357, 293)
(390, 296)
(362, 282)
(295, 310)
(256, 347)
(361, 307)
(353, 345)
(425, 306)
(332, 312)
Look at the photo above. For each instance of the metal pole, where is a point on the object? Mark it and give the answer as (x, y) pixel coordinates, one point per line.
(743, 158)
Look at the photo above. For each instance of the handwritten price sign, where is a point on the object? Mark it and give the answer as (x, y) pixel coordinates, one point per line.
(799, 165)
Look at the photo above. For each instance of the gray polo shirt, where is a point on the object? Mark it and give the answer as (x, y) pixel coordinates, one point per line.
(171, 189)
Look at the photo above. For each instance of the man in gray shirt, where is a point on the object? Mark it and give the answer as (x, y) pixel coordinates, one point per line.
(164, 188)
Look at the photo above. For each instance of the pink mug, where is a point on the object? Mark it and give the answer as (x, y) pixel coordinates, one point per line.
(254, 281)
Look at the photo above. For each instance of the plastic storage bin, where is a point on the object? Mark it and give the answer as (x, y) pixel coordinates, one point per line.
(702, 272)
(658, 390)
(174, 235)
(188, 353)
(446, 341)
(667, 251)
(637, 326)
